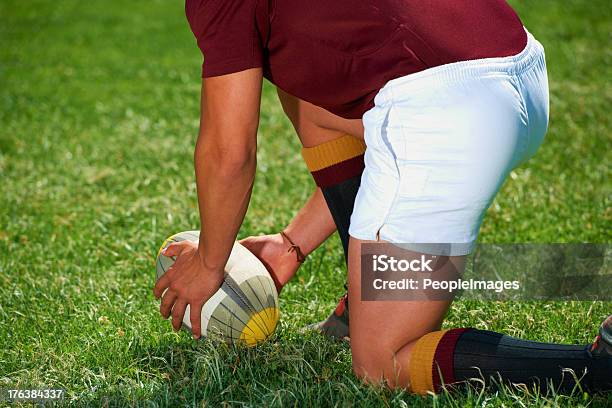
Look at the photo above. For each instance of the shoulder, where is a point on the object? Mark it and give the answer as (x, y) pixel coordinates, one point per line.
(226, 34)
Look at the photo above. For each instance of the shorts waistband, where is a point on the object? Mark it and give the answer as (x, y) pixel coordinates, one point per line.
(457, 71)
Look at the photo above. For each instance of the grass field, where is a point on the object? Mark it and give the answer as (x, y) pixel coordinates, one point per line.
(98, 118)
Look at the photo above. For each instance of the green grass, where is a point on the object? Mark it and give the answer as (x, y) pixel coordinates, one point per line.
(98, 118)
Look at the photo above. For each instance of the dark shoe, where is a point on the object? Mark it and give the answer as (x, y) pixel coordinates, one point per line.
(336, 326)
(601, 353)
(602, 346)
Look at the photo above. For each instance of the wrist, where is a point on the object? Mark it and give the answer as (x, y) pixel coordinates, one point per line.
(209, 267)
(293, 247)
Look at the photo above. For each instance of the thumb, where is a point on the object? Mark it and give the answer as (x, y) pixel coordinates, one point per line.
(174, 249)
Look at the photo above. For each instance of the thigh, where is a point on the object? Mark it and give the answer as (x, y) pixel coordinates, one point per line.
(315, 125)
(536, 96)
(382, 332)
(437, 160)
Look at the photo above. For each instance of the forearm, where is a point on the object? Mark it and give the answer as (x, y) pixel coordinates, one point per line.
(309, 228)
(312, 225)
(224, 185)
(224, 161)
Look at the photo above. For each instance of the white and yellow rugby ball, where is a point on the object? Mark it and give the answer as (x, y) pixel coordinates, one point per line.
(245, 309)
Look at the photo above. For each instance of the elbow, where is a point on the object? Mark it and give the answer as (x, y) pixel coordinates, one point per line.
(233, 165)
(228, 162)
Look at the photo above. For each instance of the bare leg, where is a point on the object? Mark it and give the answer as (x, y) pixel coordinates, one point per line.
(313, 224)
(335, 160)
(314, 125)
(400, 344)
(384, 332)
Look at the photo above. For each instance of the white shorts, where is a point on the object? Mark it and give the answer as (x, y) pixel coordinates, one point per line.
(440, 144)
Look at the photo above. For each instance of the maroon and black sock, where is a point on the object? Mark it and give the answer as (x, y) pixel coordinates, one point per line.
(336, 167)
(458, 355)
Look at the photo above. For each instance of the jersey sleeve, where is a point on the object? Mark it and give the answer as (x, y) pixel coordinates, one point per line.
(226, 33)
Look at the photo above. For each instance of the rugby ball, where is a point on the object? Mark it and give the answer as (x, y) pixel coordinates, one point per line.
(245, 309)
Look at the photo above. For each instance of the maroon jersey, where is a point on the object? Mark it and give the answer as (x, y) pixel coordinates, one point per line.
(338, 54)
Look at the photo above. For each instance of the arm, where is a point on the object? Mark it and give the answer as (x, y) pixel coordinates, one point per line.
(225, 160)
(225, 169)
(312, 225)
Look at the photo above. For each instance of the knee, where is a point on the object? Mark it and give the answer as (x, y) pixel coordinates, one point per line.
(380, 368)
(368, 368)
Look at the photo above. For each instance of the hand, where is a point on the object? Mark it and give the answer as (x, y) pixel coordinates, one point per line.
(273, 252)
(189, 282)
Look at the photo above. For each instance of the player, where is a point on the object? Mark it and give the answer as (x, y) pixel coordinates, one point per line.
(447, 96)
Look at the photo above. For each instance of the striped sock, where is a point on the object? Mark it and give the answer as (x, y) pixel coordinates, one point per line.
(336, 167)
(335, 161)
(450, 356)
(431, 363)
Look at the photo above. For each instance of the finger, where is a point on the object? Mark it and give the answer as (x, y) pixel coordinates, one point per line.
(162, 284)
(195, 313)
(174, 249)
(254, 241)
(164, 281)
(178, 311)
(167, 302)
(245, 241)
